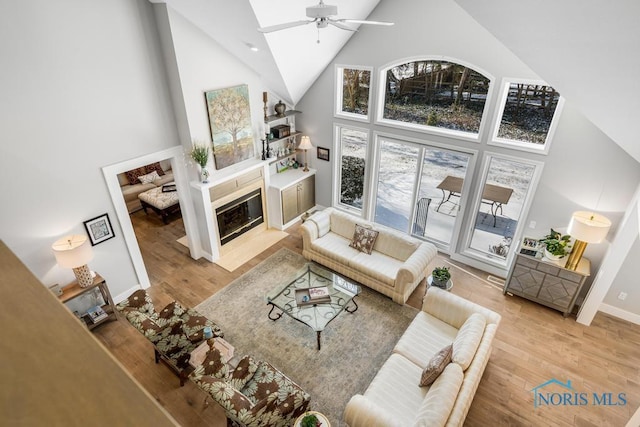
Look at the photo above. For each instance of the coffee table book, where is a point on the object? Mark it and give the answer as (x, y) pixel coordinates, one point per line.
(304, 298)
(318, 292)
(96, 314)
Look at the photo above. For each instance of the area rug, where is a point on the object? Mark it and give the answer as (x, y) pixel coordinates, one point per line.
(354, 346)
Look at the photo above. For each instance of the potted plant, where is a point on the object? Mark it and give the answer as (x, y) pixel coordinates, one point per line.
(200, 155)
(310, 421)
(440, 276)
(556, 245)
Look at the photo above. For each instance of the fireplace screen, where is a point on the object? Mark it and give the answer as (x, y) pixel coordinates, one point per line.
(239, 216)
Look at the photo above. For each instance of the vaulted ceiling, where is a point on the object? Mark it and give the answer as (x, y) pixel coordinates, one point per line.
(289, 61)
(588, 50)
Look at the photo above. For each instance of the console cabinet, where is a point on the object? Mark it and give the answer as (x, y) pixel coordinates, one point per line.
(298, 198)
(547, 282)
(291, 194)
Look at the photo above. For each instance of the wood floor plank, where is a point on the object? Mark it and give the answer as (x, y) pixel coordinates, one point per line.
(533, 343)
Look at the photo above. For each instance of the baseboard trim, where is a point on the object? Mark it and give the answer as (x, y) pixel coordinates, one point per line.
(620, 313)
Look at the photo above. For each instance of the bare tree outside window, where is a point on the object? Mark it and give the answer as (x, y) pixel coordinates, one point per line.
(438, 94)
(527, 113)
(354, 92)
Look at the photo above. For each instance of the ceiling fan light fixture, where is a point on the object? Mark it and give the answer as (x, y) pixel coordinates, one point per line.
(322, 10)
(322, 15)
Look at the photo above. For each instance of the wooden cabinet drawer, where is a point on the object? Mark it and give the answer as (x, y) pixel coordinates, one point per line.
(531, 263)
(570, 275)
(548, 268)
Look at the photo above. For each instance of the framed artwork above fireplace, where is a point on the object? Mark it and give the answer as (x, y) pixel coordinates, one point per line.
(230, 123)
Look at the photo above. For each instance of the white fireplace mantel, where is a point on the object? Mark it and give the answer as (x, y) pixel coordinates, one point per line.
(201, 195)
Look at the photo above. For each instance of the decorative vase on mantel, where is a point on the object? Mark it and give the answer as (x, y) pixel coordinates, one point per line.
(204, 174)
(200, 155)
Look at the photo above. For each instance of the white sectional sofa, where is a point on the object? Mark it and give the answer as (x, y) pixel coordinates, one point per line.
(394, 397)
(394, 268)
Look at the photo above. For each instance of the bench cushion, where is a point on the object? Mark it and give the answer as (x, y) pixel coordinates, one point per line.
(395, 390)
(425, 336)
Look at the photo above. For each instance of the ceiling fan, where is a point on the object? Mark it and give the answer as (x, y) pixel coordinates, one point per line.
(322, 15)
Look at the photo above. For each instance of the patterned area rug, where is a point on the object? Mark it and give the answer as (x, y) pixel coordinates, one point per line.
(354, 346)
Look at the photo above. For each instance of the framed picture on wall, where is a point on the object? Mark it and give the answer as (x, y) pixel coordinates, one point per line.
(230, 123)
(99, 229)
(323, 153)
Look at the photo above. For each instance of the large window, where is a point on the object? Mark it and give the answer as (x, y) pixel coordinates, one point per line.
(507, 189)
(434, 95)
(410, 176)
(527, 116)
(353, 94)
(396, 184)
(351, 149)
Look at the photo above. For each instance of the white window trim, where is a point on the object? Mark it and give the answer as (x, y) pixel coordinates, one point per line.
(499, 266)
(337, 171)
(338, 93)
(521, 145)
(459, 135)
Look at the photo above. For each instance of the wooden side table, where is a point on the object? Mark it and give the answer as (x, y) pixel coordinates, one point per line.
(73, 290)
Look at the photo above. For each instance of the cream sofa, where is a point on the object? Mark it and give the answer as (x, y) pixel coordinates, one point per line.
(395, 267)
(394, 397)
(130, 191)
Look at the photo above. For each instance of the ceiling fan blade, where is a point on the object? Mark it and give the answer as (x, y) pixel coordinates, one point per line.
(360, 21)
(284, 26)
(340, 25)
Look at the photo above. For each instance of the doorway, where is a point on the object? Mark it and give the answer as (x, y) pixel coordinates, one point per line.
(174, 157)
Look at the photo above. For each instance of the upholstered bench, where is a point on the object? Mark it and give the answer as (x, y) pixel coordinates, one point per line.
(161, 202)
(175, 331)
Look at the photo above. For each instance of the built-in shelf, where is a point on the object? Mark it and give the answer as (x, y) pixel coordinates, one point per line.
(292, 135)
(275, 117)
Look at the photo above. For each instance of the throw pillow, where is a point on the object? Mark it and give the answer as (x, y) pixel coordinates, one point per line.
(244, 371)
(155, 167)
(436, 365)
(364, 239)
(132, 175)
(149, 178)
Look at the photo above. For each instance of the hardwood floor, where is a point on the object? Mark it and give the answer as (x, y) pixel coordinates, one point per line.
(533, 344)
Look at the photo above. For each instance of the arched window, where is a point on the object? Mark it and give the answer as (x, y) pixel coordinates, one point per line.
(434, 95)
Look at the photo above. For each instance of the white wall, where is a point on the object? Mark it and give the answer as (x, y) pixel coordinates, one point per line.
(203, 65)
(82, 87)
(627, 281)
(584, 168)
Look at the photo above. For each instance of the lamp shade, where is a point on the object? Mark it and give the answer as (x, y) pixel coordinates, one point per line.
(305, 143)
(588, 227)
(72, 251)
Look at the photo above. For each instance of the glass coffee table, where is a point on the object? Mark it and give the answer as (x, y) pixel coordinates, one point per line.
(316, 315)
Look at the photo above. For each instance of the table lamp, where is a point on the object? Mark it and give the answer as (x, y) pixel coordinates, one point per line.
(305, 144)
(75, 252)
(585, 227)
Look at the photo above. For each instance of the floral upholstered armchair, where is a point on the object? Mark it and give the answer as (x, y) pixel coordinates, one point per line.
(175, 331)
(253, 394)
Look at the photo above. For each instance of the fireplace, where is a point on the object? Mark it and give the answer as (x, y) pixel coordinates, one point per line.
(239, 216)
